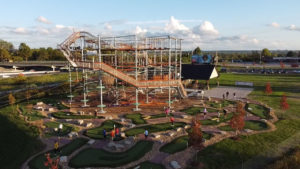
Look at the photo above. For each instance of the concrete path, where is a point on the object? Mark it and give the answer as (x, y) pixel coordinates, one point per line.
(218, 92)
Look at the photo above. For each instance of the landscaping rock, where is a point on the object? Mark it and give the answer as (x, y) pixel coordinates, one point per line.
(179, 129)
(184, 116)
(63, 159)
(89, 125)
(175, 165)
(248, 130)
(137, 167)
(72, 134)
(80, 122)
(92, 141)
(187, 126)
(264, 120)
(123, 134)
(171, 134)
(155, 135)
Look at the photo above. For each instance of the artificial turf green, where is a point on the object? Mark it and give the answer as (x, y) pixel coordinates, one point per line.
(97, 132)
(92, 157)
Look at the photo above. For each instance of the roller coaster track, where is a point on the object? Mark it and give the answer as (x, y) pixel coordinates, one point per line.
(64, 47)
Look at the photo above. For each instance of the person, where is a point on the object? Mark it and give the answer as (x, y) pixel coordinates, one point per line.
(167, 111)
(117, 132)
(234, 96)
(104, 133)
(225, 112)
(218, 114)
(227, 94)
(112, 134)
(204, 112)
(56, 146)
(146, 134)
(172, 120)
(223, 96)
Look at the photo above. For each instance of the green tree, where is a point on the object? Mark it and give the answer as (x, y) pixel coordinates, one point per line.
(290, 54)
(24, 51)
(43, 54)
(11, 101)
(266, 53)
(197, 51)
(4, 55)
(6, 45)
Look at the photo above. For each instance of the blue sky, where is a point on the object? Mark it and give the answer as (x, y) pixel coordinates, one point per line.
(212, 25)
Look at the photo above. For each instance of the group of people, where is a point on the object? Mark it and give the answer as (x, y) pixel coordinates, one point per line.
(113, 133)
(226, 95)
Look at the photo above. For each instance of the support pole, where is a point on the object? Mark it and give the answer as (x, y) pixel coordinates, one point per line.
(136, 77)
(100, 87)
(169, 102)
(70, 82)
(116, 67)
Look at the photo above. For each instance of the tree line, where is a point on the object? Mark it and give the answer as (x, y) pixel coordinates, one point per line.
(25, 53)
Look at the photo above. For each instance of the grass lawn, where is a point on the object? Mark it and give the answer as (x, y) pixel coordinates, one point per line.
(214, 122)
(251, 124)
(179, 144)
(38, 161)
(153, 128)
(230, 153)
(96, 132)
(149, 165)
(18, 140)
(67, 128)
(31, 115)
(68, 115)
(92, 157)
(136, 118)
(196, 110)
(258, 110)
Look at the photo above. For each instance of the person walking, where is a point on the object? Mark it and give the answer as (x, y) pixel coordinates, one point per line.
(234, 96)
(204, 112)
(146, 134)
(56, 146)
(172, 120)
(117, 132)
(225, 112)
(227, 94)
(223, 96)
(112, 134)
(219, 114)
(167, 111)
(104, 133)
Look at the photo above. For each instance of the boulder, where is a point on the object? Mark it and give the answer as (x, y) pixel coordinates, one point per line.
(123, 134)
(184, 116)
(187, 126)
(156, 135)
(137, 167)
(171, 134)
(179, 129)
(175, 165)
(89, 125)
(92, 141)
(63, 159)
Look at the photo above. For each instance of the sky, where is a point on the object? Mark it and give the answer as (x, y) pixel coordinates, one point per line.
(212, 25)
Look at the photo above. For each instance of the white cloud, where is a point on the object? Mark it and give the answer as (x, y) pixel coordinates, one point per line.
(174, 26)
(60, 26)
(275, 25)
(140, 31)
(42, 19)
(255, 41)
(107, 26)
(293, 28)
(20, 30)
(206, 28)
(43, 31)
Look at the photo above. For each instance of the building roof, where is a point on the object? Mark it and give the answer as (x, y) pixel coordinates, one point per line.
(199, 72)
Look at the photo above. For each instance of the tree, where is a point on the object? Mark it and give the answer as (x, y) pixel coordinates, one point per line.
(24, 51)
(43, 54)
(195, 136)
(197, 51)
(4, 55)
(11, 101)
(266, 53)
(6, 45)
(268, 89)
(290, 54)
(283, 103)
(237, 121)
